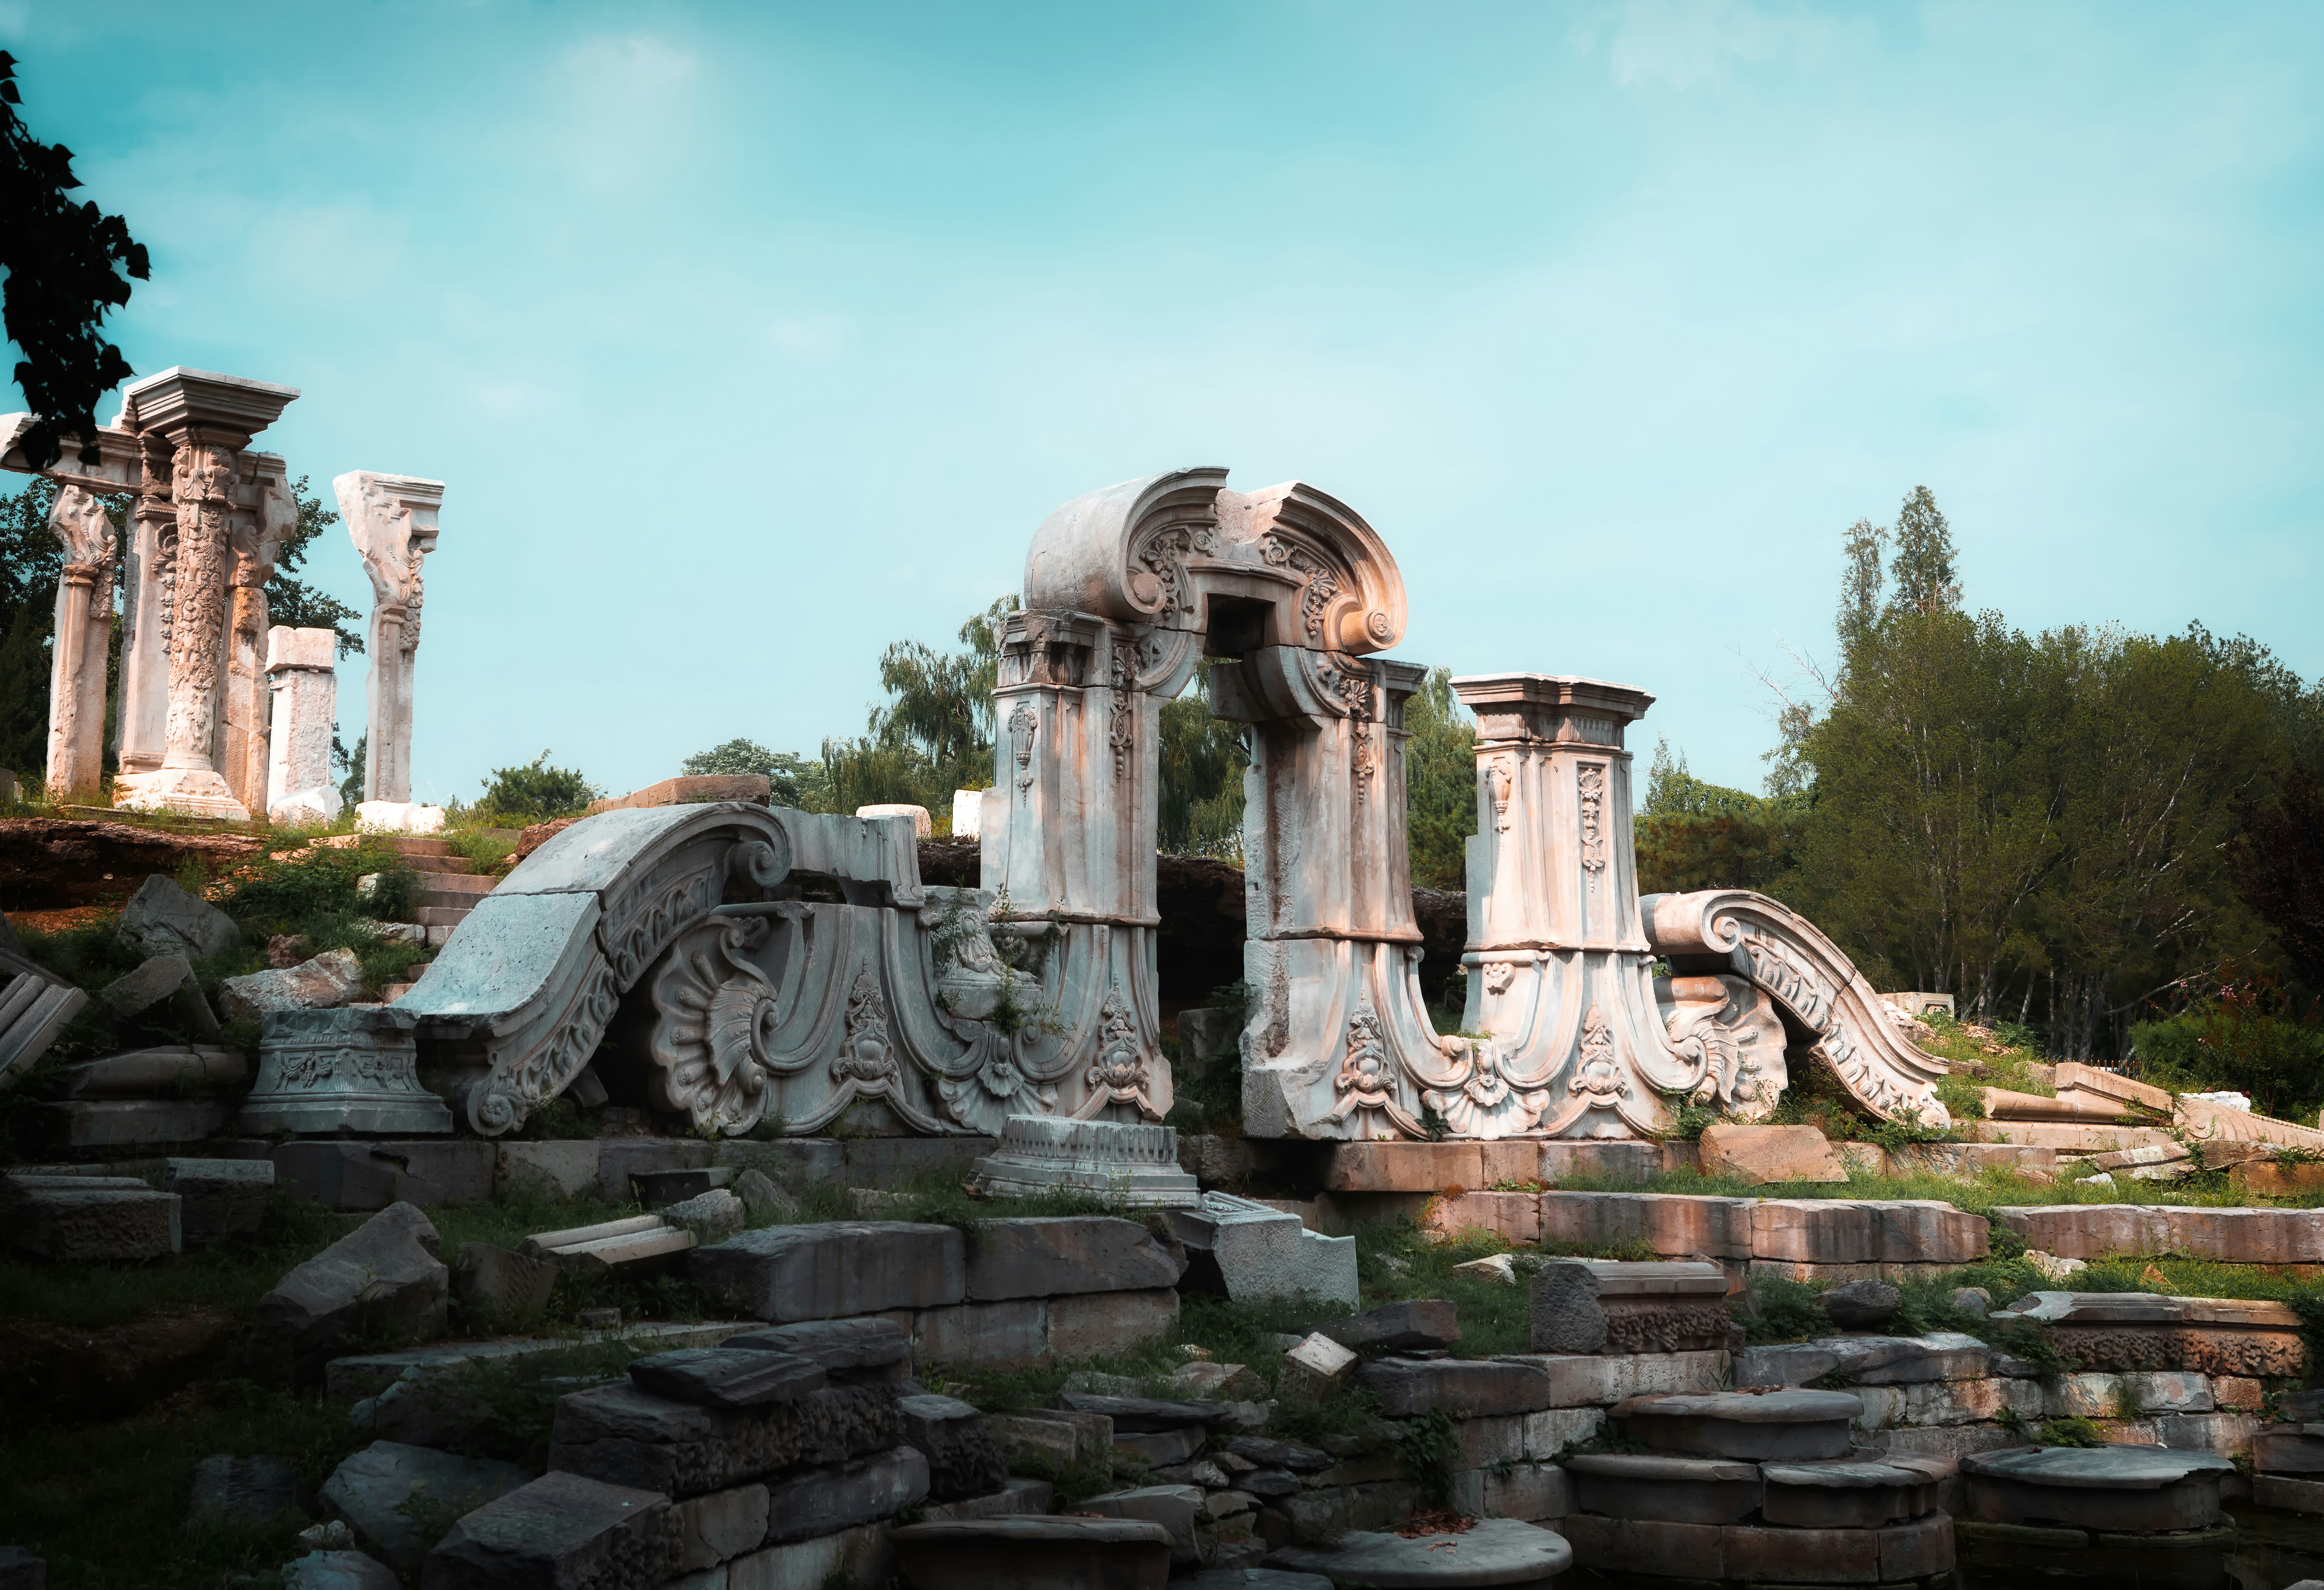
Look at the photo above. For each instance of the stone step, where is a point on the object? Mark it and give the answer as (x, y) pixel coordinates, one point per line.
(419, 844)
(435, 864)
(441, 915)
(468, 886)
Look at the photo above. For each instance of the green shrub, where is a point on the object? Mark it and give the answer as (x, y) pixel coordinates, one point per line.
(536, 791)
(2252, 1038)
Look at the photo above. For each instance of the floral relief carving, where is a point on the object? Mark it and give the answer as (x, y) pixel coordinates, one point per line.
(1590, 787)
(1279, 551)
(1368, 1081)
(1599, 1077)
(1024, 722)
(718, 1013)
(1121, 716)
(1120, 1074)
(1502, 771)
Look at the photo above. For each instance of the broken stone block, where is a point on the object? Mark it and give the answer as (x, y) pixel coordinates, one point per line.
(1398, 1327)
(325, 983)
(722, 1524)
(1044, 1258)
(151, 1123)
(764, 1200)
(169, 977)
(625, 1435)
(399, 1498)
(1606, 1306)
(1216, 1382)
(1249, 1251)
(219, 1197)
(1174, 1507)
(498, 1287)
(555, 1169)
(1095, 1324)
(644, 1240)
(828, 1272)
(1466, 1388)
(1603, 1380)
(658, 1186)
(1064, 1439)
(712, 1216)
(560, 1529)
(1315, 1367)
(1862, 1305)
(1770, 1154)
(1498, 1268)
(1868, 1361)
(382, 1281)
(726, 1377)
(1788, 1426)
(826, 1501)
(161, 919)
(89, 1219)
(964, 1459)
(870, 1346)
(242, 1490)
(338, 1570)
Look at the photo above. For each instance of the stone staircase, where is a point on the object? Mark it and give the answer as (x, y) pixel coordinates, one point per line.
(450, 884)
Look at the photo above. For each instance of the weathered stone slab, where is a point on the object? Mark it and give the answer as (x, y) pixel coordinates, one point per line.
(1042, 1258)
(1754, 1153)
(2289, 1495)
(2121, 1331)
(626, 1437)
(161, 919)
(1786, 1426)
(2129, 1488)
(1535, 1492)
(1675, 1223)
(368, 1375)
(1063, 1438)
(219, 1197)
(89, 1219)
(1864, 1361)
(1644, 1545)
(563, 1169)
(382, 1281)
(560, 1529)
(2242, 1236)
(2124, 1396)
(146, 1122)
(371, 1174)
(827, 1272)
(1174, 1507)
(1330, 1511)
(825, 1501)
(620, 1160)
(1095, 1324)
(390, 1491)
(161, 1072)
(1014, 1332)
(1848, 1494)
(870, 1346)
(328, 980)
(1666, 1489)
(501, 1287)
(1601, 1306)
(1761, 1555)
(1406, 1166)
(1463, 1387)
(1398, 1327)
(1603, 1380)
(1946, 1402)
(963, 1457)
(720, 1525)
(1550, 1432)
(2288, 1449)
(1837, 1231)
(726, 1377)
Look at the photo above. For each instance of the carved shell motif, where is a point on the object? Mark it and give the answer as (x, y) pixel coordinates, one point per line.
(715, 1013)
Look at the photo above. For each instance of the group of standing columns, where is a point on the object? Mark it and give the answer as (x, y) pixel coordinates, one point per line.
(219, 714)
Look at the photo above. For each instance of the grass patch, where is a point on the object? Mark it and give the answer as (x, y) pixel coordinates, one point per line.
(1980, 1194)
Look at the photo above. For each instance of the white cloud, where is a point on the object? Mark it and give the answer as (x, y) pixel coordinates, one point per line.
(630, 99)
(811, 337)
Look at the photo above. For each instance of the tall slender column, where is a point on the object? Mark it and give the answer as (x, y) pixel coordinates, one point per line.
(391, 520)
(84, 619)
(145, 615)
(244, 715)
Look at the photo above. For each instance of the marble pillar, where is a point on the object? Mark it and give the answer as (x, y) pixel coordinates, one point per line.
(245, 715)
(302, 676)
(206, 553)
(392, 519)
(145, 692)
(84, 626)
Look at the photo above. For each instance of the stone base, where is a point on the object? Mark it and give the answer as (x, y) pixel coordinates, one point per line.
(187, 791)
(863, 1161)
(1128, 1163)
(2190, 1559)
(1917, 1551)
(350, 1069)
(355, 1175)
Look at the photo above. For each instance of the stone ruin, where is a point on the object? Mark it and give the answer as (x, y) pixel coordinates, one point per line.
(197, 733)
(738, 966)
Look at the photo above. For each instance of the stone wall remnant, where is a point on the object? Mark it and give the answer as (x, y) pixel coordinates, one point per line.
(303, 673)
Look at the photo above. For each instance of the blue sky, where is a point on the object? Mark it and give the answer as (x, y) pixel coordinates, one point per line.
(749, 338)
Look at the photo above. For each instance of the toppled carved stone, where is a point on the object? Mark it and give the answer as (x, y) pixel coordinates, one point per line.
(560, 1529)
(331, 979)
(1496, 1268)
(381, 1281)
(712, 1216)
(1129, 1163)
(764, 1200)
(169, 977)
(964, 1459)
(2119, 1331)
(625, 1436)
(1249, 1251)
(1862, 1305)
(354, 1068)
(161, 919)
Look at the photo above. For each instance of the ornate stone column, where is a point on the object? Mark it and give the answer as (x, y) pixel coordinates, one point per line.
(301, 670)
(84, 624)
(1560, 971)
(207, 419)
(240, 751)
(391, 520)
(145, 613)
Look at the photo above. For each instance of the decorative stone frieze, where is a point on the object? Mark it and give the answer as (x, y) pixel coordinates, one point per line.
(391, 520)
(1131, 1162)
(1735, 934)
(349, 1069)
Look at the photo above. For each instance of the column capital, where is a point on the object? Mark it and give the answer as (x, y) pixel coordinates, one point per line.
(1551, 708)
(202, 406)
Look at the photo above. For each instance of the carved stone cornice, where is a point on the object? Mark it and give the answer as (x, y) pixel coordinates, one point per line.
(203, 406)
